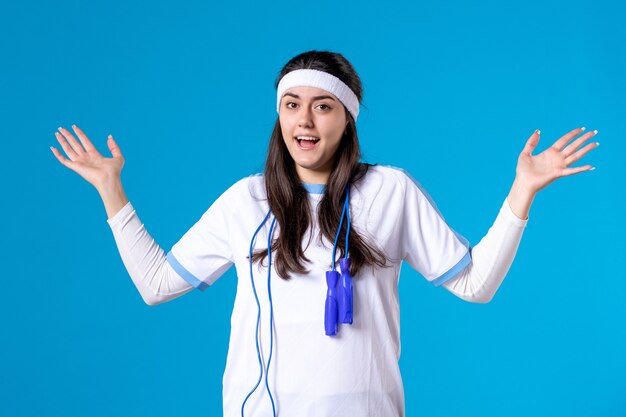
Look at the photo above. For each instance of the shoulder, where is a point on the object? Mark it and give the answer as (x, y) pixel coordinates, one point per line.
(245, 190)
(386, 176)
(394, 185)
(381, 185)
(252, 183)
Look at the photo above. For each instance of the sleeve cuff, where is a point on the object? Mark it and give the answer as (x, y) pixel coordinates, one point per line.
(511, 217)
(184, 273)
(452, 272)
(120, 215)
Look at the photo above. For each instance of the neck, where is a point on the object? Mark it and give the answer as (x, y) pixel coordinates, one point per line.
(312, 177)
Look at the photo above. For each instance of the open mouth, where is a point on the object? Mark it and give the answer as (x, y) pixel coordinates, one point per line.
(306, 142)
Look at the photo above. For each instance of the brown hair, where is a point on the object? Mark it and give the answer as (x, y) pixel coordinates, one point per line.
(287, 197)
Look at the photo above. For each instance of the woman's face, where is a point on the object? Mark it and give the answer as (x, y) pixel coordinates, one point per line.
(317, 115)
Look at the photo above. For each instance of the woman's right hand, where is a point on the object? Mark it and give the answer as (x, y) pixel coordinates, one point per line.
(88, 162)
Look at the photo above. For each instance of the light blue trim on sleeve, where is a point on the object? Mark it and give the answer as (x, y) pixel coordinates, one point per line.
(452, 272)
(186, 275)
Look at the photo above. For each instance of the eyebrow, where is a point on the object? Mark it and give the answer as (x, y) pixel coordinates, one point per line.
(314, 98)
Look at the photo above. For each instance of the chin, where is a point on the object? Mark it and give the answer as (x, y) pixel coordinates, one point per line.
(309, 167)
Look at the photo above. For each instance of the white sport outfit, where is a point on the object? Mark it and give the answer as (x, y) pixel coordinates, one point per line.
(355, 373)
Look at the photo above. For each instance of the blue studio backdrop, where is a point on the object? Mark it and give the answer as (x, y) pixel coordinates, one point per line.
(452, 92)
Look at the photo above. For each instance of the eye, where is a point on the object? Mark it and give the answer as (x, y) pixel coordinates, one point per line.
(324, 107)
(289, 103)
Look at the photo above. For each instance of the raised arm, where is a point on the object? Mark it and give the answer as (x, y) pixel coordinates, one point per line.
(494, 254)
(491, 259)
(143, 258)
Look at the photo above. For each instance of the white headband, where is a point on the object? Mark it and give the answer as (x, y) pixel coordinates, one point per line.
(319, 79)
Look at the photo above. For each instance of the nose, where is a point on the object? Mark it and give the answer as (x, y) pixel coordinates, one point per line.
(305, 119)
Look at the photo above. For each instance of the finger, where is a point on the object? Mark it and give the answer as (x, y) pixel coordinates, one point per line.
(559, 144)
(115, 150)
(571, 171)
(66, 146)
(571, 148)
(532, 142)
(72, 141)
(84, 139)
(60, 157)
(580, 153)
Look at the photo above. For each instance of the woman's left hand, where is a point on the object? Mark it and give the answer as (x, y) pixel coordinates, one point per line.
(535, 172)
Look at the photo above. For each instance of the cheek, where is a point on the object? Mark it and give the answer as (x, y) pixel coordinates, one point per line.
(335, 135)
(335, 128)
(286, 128)
(335, 145)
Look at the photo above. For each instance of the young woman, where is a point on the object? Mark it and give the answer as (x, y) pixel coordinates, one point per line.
(318, 241)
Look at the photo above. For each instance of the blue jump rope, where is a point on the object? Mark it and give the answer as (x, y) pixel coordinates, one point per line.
(338, 307)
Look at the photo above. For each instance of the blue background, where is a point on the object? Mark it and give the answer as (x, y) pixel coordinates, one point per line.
(452, 92)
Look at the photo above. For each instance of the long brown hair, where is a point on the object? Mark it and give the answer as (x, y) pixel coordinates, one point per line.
(287, 197)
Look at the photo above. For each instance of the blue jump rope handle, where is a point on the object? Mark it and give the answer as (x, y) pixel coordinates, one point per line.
(330, 316)
(345, 292)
